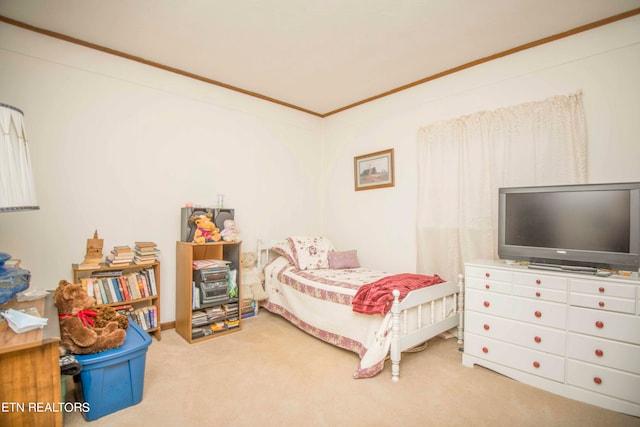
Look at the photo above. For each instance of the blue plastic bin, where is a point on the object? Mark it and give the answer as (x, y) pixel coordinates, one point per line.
(112, 380)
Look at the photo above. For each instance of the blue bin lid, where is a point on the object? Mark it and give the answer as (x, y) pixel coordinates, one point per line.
(135, 340)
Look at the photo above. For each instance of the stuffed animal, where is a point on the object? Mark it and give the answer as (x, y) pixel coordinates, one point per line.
(78, 332)
(251, 278)
(230, 233)
(107, 314)
(206, 230)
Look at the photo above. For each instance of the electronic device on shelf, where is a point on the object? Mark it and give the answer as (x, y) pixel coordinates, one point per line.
(574, 228)
(212, 284)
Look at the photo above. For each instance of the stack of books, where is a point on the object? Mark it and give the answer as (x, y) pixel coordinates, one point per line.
(231, 323)
(215, 314)
(120, 256)
(248, 308)
(199, 318)
(230, 309)
(145, 253)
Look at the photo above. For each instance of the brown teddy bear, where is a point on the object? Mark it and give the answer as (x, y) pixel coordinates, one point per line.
(78, 331)
(206, 230)
(107, 314)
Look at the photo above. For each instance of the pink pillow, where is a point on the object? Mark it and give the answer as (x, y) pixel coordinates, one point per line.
(344, 259)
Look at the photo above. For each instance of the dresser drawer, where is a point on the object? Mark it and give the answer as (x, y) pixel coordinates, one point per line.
(489, 303)
(597, 287)
(521, 358)
(488, 273)
(540, 280)
(604, 324)
(488, 285)
(535, 337)
(540, 312)
(600, 302)
(599, 351)
(540, 293)
(599, 379)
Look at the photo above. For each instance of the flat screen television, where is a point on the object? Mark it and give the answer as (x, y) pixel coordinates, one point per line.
(590, 225)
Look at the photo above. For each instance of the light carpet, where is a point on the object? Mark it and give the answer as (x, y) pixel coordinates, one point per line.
(273, 374)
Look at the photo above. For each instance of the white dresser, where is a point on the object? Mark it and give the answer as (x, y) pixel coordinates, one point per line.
(571, 334)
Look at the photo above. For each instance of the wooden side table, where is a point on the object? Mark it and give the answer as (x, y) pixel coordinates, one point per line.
(30, 393)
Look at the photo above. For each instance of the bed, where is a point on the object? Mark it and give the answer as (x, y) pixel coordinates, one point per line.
(316, 289)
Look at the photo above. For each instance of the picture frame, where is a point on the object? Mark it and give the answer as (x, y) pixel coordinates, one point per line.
(374, 170)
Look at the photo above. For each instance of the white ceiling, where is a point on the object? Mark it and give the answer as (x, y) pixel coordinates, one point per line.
(316, 55)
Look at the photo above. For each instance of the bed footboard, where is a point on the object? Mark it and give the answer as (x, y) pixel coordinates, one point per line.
(422, 315)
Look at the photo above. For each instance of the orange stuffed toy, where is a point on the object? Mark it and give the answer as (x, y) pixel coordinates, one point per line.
(207, 230)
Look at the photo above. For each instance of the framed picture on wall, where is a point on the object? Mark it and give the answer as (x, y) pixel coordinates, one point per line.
(374, 170)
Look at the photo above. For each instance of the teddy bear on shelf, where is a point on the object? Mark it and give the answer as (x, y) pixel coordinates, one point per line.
(78, 331)
(230, 233)
(251, 278)
(206, 230)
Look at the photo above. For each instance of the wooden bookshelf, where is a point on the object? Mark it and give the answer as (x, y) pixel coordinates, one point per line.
(139, 304)
(186, 254)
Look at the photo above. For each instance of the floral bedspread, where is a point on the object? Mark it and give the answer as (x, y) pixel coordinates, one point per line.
(319, 302)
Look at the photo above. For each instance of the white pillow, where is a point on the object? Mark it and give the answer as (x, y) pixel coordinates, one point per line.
(310, 253)
(285, 249)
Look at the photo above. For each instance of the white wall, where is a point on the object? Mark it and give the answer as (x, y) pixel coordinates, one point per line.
(120, 147)
(604, 63)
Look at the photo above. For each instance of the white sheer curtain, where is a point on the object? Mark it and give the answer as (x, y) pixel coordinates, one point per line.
(462, 163)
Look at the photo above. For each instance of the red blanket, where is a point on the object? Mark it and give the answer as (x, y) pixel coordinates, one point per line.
(376, 297)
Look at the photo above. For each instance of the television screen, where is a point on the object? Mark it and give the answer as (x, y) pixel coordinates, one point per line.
(594, 221)
(580, 225)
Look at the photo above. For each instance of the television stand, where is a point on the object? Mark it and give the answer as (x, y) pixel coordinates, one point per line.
(566, 268)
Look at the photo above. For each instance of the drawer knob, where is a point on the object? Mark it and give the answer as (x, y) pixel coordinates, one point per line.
(487, 275)
(601, 290)
(601, 304)
(599, 353)
(538, 314)
(487, 286)
(536, 364)
(537, 339)
(485, 350)
(486, 327)
(599, 324)
(597, 380)
(538, 294)
(538, 281)
(486, 304)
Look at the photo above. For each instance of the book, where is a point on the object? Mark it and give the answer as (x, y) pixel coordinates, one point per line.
(117, 257)
(125, 288)
(145, 246)
(139, 261)
(115, 289)
(103, 292)
(89, 265)
(218, 327)
(248, 314)
(96, 292)
(133, 286)
(152, 281)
